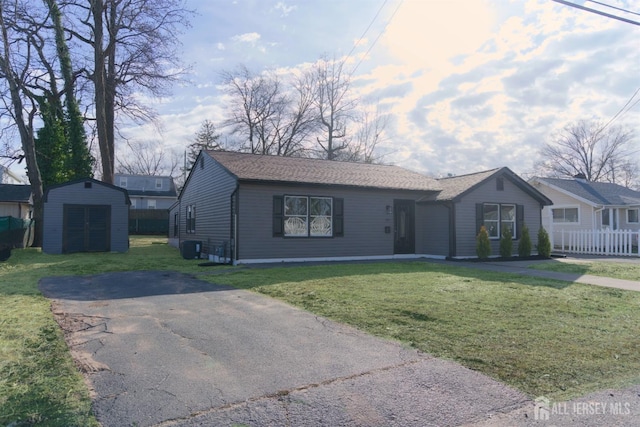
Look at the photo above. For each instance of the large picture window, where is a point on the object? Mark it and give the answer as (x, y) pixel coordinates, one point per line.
(307, 216)
(565, 215)
(496, 217)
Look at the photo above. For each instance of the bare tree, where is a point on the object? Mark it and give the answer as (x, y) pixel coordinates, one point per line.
(371, 132)
(16, 70)
(134, 47)
(334, 106)
(271, 116)
(588, 148)
(149, 158)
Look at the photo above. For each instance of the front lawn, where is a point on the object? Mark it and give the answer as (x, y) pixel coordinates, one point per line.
(541, 336)
(629, 270)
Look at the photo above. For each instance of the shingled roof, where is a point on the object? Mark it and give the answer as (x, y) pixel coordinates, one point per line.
(453, 188)
(597, 193)
(15, 193)
(278, 169)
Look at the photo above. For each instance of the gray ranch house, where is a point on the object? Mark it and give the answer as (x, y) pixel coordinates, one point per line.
(256, 208)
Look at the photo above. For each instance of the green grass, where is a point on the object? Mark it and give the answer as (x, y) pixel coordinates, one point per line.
(543, 337)
(619, 270)
(39, 383)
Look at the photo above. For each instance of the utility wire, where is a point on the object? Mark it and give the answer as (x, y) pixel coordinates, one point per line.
(608, 15)
(622, 110)
(365, 31)
(614, 7)
(377, 38)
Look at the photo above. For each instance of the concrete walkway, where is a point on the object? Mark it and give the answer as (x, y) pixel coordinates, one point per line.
(524, 268)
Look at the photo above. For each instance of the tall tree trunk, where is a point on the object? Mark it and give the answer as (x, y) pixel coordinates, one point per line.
(99, 79)
(25, 129)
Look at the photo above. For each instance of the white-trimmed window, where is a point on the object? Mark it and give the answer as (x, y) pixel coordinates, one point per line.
(123, 181)
(308, 216)
(133, 203)
(565, 215)
(151, 203)
(496, 217)
(632, 216)
(158, 183)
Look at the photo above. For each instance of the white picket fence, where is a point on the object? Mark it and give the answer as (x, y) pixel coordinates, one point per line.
(598, 242)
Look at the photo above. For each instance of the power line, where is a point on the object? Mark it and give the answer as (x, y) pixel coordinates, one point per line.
(608, 15)
(614, 7)
(622, 110)
(365, 31)
(377, 38)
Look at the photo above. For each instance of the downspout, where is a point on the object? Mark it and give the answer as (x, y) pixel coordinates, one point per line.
(233, 228)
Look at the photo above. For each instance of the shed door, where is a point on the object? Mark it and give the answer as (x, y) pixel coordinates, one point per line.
(404, 227)
(86, 228)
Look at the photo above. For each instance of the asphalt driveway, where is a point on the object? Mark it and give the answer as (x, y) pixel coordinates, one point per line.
(161, 348)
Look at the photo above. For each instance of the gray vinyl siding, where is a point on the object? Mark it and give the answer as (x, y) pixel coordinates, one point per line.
(209, 189)
(76, 194)
(365, 219)
(432, 229)
(465, 215)
(139, 202)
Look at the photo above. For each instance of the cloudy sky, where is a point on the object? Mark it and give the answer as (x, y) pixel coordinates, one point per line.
(469, 84)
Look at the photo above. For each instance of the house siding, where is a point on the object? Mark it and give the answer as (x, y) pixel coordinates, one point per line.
(209, 189)
(365, 219)
(77, 194)
(465, 215)
(432, 231)
(16, 210)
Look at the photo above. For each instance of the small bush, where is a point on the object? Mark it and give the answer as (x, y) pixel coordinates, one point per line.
(524, 246)
(506, 243)
(483, 245)
(544, 244)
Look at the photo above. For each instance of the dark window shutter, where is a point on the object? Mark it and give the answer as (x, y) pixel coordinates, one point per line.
(519, 220)
(278, 216)
(338, 217)
(479, 217)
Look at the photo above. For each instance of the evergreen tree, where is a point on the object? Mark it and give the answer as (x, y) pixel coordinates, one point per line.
(206, 138)
(79, 161)
(506, 242)
(50, 143)
(524, 246)
(544, 244)
(483, 244)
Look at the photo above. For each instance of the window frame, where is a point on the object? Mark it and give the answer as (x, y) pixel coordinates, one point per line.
(159, 183)
(564, 216)
(637, 211)
(308, 217)
(499, 222)
(190, 219)
(151, 204)
(123, 182)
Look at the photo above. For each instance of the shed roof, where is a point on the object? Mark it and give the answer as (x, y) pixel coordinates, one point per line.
(15, 193)
(598, 193)
(278, 169)
(93, 181)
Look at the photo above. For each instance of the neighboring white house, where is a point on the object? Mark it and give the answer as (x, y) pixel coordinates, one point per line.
(582, 205)
(9, 177)
(148, 192)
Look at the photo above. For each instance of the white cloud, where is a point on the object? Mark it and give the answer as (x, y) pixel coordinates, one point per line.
(251, 38)
(284, 8)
